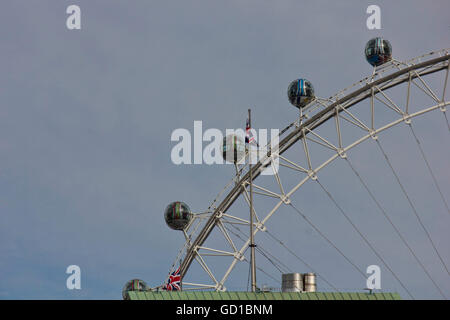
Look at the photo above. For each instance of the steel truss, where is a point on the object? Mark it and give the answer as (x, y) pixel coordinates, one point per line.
(336, 108)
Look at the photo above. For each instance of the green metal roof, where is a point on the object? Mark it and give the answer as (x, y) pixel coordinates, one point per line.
(240, 295)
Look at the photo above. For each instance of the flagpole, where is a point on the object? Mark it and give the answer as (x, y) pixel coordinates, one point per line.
(252, 240)
(181, 280)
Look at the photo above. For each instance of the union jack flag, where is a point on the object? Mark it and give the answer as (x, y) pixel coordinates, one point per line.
(173, 283)
(249, 138)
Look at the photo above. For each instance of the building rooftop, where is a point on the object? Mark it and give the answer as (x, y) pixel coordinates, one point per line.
(240, 295)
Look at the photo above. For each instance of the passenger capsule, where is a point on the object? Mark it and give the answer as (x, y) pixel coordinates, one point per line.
(300, 93)
(378, 51)
(233, 148)
(177, 215)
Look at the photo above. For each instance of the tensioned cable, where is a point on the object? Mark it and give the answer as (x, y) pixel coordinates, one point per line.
(412, 205)
(260, 269)
(290, 251)
(328, 240)
(267, 274)
(429, 167)
(280, 262)
(304, 262)
(245, 259)
(446, 119)
(293, 253)
(248, 276)
(393, 225)
(263, 252)
(263, 271)
(364, 238)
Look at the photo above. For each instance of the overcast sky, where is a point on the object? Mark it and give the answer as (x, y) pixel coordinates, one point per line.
(86, 118)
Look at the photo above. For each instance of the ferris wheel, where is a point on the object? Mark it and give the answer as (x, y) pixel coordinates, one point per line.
(325, 131)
